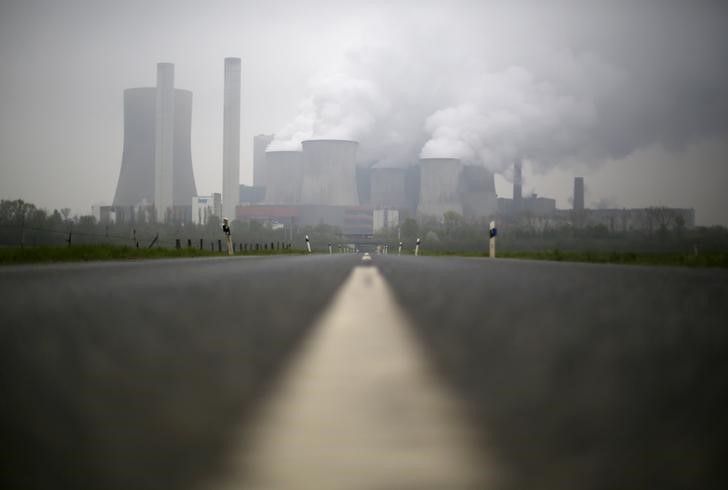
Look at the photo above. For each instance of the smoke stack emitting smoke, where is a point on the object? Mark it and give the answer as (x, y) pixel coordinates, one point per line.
(560, 96)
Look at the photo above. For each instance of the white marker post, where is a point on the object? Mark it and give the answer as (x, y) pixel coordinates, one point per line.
(331, 251)
(228, 240)
(399, 249)
(308, 244)
(493, 231)
(417, 247)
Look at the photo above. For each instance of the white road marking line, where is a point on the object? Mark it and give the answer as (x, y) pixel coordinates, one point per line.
(359, 408)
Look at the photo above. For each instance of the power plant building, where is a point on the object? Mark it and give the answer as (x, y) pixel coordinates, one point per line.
(388, 187)
(478, 192)
(440, 186)
(329, 173)
(284, 173)
(260, 143)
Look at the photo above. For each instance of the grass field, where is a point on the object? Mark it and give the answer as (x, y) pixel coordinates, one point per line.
(703, 259)
(84, 253)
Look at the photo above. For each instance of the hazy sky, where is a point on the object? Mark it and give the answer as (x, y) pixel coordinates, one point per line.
(631, 95)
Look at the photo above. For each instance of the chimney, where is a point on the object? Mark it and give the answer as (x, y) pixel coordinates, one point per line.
(231, 138)
(164, 142)
(517, 186)
(579, 194)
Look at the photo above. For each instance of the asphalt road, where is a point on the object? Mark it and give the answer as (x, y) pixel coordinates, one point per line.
(134, 375)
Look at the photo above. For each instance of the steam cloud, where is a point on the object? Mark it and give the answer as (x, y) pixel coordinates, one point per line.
(584, 95)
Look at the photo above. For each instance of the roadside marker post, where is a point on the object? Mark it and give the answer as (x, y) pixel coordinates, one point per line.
(228, 239)
(308, 244)
(331, 251)
(492, 232)
(417, 247)
(399, 249)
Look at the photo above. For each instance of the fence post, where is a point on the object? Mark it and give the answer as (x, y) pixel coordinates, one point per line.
(219, 245)
(201, 244)
(22, 232)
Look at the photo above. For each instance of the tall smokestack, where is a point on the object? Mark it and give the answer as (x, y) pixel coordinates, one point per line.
(164, 142)
(231, 138)
(517, 186)
(578, 194)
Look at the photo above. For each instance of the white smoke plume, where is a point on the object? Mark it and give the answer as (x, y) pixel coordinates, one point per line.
(579, 93)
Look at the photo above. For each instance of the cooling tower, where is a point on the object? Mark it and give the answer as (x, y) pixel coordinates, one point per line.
(285, 177)
(439, 186)
(136, 179)
(137, 175)
(478, 192)
(231, 138)
(329, 173)
(260, 142)
(388, 187)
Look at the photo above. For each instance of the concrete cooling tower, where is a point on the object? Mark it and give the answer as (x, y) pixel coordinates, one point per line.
(478, 192)
(388, 187)
(439, 186)
(285, 177)
(136, 179)
(329, 173)
(137, 175)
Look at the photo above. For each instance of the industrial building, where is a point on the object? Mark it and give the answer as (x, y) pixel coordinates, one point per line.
(323, 184)
(284, 177)
(260, 143)
(540, 212)
(156, 179)
(329, 173)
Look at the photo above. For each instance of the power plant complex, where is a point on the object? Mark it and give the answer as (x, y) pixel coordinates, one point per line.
(322, 183)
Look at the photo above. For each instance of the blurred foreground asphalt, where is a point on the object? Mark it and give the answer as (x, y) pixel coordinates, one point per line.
(578, 376)
(581, 376)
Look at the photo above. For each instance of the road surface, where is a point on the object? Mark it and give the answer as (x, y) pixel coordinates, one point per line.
(409, 373)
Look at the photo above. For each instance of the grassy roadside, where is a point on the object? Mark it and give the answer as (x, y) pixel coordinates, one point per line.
(703, 259)
(84, 253)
